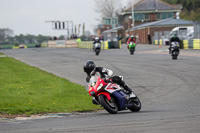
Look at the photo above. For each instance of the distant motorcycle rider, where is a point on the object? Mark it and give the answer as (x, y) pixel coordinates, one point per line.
(91, 69)
(96, 40)
(131, 39)
(172, 42)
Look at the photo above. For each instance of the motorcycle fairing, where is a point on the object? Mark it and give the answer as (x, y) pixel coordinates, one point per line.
(105, 94)
(121, 98)
(110, 88)
(97, 45)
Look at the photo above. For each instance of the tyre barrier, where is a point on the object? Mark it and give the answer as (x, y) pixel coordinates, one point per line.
(196, 44)
(104, 44)
(158, 42)
(89, 45)
(185, 44)
(191, 44)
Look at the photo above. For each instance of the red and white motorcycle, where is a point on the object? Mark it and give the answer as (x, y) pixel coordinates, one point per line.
(111, 96)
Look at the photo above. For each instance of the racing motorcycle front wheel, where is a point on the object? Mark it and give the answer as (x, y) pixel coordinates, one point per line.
(108, 105)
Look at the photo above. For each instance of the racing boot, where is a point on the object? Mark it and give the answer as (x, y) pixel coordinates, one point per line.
(130, 91)
(169, 50)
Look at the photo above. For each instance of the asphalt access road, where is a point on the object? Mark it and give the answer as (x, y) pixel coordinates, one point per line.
(168, 89)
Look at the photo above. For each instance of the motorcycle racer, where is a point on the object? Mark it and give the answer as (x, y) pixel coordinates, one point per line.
(96, 40)
(174, 41)
(131, 39)
(90, 69)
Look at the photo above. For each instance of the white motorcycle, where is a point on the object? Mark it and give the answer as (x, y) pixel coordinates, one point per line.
(174, 50)
(97, 48)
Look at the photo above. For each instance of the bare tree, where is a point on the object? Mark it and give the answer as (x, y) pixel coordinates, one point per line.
(129, 4)
(5, 33)
(87, 33)
(107, 8)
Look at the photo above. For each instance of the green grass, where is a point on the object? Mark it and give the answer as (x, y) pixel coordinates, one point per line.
(1, 54)
(28, 90)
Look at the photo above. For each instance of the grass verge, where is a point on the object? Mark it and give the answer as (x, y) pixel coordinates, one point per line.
(28, 90)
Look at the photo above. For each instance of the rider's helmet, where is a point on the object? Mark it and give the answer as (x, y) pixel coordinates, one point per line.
(89, 67)
(175, 35)
(132, 36)
(96, 38)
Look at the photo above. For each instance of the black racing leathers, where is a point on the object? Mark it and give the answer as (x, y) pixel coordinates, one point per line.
(173, 39)
(116, 79)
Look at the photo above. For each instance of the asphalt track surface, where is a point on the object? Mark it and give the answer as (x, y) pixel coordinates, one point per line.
(168, 89)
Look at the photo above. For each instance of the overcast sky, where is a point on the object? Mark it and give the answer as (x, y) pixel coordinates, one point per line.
(29, 16)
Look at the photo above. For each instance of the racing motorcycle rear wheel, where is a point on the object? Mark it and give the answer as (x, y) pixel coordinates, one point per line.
(132, 51)
(97, 51)
(108, 105)
(174, 57)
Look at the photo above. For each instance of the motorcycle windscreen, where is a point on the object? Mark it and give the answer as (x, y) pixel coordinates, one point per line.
(94, 79)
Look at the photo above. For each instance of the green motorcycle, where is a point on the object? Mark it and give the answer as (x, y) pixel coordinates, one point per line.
(131, 47)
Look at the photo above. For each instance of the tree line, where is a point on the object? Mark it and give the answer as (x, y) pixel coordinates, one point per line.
(7, 37)
(191, 8)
